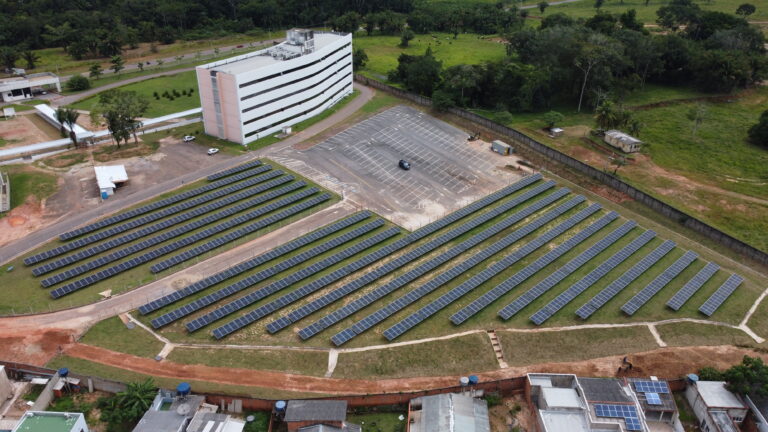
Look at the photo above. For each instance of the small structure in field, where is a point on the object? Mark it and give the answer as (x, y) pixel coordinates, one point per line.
(556, 132)
(5, 192)
(502, 148)
(622, 141)
(109, 178)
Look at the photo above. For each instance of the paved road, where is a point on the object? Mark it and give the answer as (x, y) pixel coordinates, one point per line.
(71, 221)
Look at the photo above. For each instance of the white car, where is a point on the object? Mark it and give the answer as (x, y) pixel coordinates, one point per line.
(188, 138)
(212, 151)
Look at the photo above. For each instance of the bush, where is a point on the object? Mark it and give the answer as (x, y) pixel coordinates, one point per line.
(552, 119)
(78, 83)
(442, 101)
(758, 134)
(492, 399)
(503, 117)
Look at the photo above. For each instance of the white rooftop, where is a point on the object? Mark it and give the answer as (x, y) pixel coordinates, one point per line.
(715, 395)
(50, 113)
(562, 421)
(259, 59)
(107, 176)
(561, 397)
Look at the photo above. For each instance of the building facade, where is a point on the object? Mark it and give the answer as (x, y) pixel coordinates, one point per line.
(25, 87)
(716, 408)
(254, 95)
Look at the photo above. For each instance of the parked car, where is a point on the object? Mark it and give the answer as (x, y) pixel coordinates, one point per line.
(404, 164)
(212, 151)
(188, 138)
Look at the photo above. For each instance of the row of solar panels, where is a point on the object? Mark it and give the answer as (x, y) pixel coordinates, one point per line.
(494, 269)
(388, 250)
(284, 283)
(167, 235)
(404, 260)
(159, 204)
(378, 316)
(234, 170)
(159, 226)
(111, 271)
(286, 264)
(626, 412)
(253, 262)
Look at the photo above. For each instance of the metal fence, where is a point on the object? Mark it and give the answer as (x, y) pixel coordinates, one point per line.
(603, 177)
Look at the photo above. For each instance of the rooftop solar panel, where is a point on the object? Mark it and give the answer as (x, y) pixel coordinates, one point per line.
(651, 386)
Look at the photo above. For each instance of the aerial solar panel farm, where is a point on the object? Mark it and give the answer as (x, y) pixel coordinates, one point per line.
(531, 254)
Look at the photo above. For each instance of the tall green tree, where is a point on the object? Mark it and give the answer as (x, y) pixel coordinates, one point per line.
(120, 111)
(543, 5)
(697, 115)
(745, 9)
(117, 64)
(359, 59)
(405, 37)
(758, 133)
(748, 378)
(31, 58)
(70, 119)
(95, 71)
(8, 57)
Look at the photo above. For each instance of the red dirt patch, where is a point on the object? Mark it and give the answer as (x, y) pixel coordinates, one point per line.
(21, 221)
(34, 348)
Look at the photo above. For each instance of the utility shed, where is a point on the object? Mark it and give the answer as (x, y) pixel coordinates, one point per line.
(302, 413)
(448, 412)
(501, 148)
(622, 141)
(109, 177)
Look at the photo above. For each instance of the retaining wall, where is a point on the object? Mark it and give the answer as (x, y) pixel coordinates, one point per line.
(609, 180)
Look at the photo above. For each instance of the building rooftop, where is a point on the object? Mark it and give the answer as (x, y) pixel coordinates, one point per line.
(47, 422)
(715, 395)
(723, 421)
(284, 51)
(168, 413)
(107, 176)
(561, 397)
(31, 79)
(604, 390)
(347, 427)
(213, 422)
(316, 410)
(451, 412)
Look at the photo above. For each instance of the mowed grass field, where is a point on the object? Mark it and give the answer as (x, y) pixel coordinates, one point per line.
(25, 295)
(183, 81)
(383, 51)
(29, 184)
(731, 312)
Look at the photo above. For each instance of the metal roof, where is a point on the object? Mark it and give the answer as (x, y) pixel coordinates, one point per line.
(715, 395)
(450, 412)
(316, 410)
(107, 176)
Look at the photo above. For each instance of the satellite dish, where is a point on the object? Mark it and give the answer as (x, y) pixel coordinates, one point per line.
(250, 418)
(183, 409)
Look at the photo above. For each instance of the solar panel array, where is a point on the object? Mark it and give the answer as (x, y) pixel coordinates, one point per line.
(289, 280)
(721, 295)
(253, 262)
(405, 259)
(660, 282)
(692, 286)
(499, 266)
(624, 280)
(651, 387)
(237, 169)
(627, 412)
(653, 399)
(383, 313)
(134, 262)
(390, 249)
(161, 203)
(494, 294)
(591, 278)
(569, 268)
(262, 275)
(143, 232)
(165, 236)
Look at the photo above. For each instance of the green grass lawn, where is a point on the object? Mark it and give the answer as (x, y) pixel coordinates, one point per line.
(521, 349)
(29, 182)
(66, 159)
(458, 356)
(313, 363)
(375, 422)
(162, 105)
(114, 335)
(692, 334)
(383, 51)
(91, 368)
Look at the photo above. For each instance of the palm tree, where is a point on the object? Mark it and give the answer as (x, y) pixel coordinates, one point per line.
(70, 118)
(136, 399)
(605, 115)
(31, 58)
(61, 117)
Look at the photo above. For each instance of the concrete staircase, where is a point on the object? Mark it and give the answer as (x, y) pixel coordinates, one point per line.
(497, 349)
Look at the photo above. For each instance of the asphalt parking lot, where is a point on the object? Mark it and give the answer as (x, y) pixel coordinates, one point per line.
(362, 163)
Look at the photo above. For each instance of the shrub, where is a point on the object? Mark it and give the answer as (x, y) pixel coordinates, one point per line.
(78, 83)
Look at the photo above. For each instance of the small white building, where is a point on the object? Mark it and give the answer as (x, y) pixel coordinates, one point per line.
(24, 87)
(717, 409)
(622, 141)
(46, 421)
(110, 177)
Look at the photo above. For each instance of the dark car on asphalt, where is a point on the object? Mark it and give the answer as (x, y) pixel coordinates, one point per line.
(404, 164)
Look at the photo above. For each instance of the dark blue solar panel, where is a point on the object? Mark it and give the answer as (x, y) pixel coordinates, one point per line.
(660, 282)
(721, 295)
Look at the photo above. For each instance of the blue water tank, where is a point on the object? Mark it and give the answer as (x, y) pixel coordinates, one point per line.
(692, 378)
(63, 372)
(104, 195)
(473, 379)
(280, 406)
(183, 389)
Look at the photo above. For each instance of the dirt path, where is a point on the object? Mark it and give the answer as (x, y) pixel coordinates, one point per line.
(665, 362)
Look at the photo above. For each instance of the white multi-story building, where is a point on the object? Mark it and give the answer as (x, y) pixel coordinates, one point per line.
(251, 96)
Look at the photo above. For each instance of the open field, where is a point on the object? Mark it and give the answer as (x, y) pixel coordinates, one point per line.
(183, 81)
(646, 14)
(458, 356)
(29, 183)
(690, 334)
(312, 363)
(718, 169)
(271, 187)
(113, 334)
(85, 367)
(521, 349)
(383, 51)
(385, 422)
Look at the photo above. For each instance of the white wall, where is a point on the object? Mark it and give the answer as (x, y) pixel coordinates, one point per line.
(6, 390)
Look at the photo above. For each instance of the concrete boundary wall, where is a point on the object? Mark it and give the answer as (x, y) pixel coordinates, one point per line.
(531, 144)
(5, 192)
(46, 396)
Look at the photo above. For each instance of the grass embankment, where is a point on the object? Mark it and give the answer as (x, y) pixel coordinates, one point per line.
(29, 183)
(522, 349)
(314, 363)
(692, 334)
(24, 294)
(462, 355)
(379, 422)
(162, 105)
(383, 51)
(114, 335)
(86, 367)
